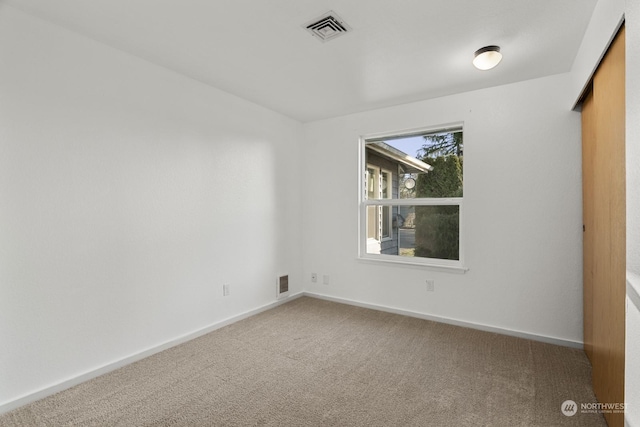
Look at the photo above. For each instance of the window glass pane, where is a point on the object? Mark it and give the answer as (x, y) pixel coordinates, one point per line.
(418, 231)
(428, 165)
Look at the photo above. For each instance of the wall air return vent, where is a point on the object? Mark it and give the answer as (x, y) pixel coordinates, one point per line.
(282, 286)
(327, 27)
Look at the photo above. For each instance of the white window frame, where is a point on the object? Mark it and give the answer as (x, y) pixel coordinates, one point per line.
(363, 202)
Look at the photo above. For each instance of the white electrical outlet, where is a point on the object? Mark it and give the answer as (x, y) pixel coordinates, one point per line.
(225, 290)
(326, 279)
(314, 277)
(431, 285)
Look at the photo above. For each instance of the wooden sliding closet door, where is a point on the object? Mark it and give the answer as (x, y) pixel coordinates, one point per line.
(603, 147)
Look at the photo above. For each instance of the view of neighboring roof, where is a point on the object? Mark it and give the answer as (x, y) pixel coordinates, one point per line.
(413, 165)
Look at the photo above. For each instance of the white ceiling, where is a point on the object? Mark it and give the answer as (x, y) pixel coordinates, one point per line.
(399, 51)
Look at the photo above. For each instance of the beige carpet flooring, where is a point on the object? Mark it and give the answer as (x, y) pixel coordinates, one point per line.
(317, 363)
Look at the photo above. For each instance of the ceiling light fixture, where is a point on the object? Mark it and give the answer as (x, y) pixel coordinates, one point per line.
(487, 57)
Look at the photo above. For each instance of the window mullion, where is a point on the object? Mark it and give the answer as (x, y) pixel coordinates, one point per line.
(413, 202)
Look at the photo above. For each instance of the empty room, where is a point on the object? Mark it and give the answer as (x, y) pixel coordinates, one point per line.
(304, 212)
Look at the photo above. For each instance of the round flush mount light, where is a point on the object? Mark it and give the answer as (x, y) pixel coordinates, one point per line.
(487, 57)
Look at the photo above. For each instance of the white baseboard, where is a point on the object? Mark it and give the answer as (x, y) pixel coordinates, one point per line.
(63, 385)
(479, 326)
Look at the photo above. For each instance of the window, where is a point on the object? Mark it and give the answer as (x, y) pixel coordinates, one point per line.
(412, 197)
(378, 186)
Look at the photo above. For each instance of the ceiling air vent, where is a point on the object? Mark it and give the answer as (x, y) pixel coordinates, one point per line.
(327, 27)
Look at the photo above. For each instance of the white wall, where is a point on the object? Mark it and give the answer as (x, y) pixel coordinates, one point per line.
(523, 214)
(128, 196)
(606, 19)
(632, 360)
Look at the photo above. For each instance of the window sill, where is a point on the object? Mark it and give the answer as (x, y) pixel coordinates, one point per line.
(408, 263)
